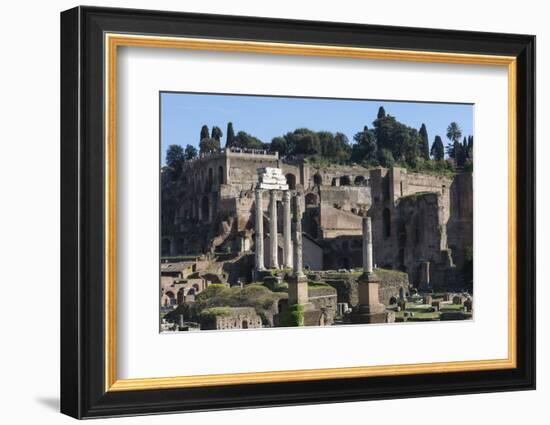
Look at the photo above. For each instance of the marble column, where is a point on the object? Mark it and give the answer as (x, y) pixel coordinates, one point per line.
(297, 283)
(287, 230)
(259, 231)
(273, 232)
(367, 245)
(297, 263)
(369, 308)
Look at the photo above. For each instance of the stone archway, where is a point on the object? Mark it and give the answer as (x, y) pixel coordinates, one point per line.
(345, 181)
(359, 180)
(170, 299)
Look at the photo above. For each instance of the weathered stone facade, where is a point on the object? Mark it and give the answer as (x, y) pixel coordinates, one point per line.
(231, 318)
(422, 224)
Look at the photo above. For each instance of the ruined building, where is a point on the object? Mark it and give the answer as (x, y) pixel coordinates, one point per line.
(421, 224)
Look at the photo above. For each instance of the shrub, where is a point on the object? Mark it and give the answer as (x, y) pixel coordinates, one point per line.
(294, 316)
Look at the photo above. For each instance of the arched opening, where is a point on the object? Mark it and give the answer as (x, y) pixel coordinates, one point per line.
(170, 299)
(359, 180)
(334, 182)
(291, 181)
(386, 188)
(393, 300)
(220, 175)
(205, 208)
(210, 180)
(345, 181)
(166, 247)
(386, 222)
(317, 179)
(180, 296)
(245, 324)
(311, 199)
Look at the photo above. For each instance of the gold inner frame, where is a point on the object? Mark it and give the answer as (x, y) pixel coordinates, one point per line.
(113, 41)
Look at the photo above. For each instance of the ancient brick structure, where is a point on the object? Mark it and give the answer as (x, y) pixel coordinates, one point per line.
(421, 224)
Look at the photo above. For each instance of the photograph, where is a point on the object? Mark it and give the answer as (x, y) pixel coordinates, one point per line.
(280, 211)
(288, 206)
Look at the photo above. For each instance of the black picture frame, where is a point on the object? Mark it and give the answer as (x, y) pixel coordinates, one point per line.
(83, 392)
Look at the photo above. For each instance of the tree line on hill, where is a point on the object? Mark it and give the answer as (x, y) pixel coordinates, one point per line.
(387, 143)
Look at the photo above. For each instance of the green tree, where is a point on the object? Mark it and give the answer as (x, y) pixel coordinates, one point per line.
(438, 150)
(409, 142)
(209, 145)
(334, 147)
(325, 138)
(175, 156)
(386, 158)
(470, 148)
(190, 152)
(278, 144)
(365, 148)
(205, 133)
(340, 148)
(245, 140)
(230, 136)
(303, 141)
(383, 129)
(424, 142)
(454, 133)
(381, 113)
(216, 133)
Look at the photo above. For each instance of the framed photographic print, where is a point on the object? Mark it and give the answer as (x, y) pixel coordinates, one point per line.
(261, 212)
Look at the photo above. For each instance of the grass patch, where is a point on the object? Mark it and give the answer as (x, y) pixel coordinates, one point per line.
(216, 312)
(451, 307)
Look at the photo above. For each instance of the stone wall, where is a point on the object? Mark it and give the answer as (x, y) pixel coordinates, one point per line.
(324, 300)
(230, 318)
(391, 282)
(345, 284)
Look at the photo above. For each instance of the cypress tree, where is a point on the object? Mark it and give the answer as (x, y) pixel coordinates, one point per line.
(438, 150)
(230, 136)
(205, 133)
(381, 113)
(216, 133)
(424, 147)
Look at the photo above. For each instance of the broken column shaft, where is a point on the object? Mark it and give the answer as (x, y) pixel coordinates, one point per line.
(287, 237)
(273, 232)
(259, 231)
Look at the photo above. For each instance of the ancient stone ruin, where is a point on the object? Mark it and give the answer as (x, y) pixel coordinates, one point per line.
(345, 244)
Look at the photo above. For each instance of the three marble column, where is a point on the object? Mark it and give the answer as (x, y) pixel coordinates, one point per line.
(273, 262)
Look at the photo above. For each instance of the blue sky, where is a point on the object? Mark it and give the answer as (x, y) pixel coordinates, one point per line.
(183, 114)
